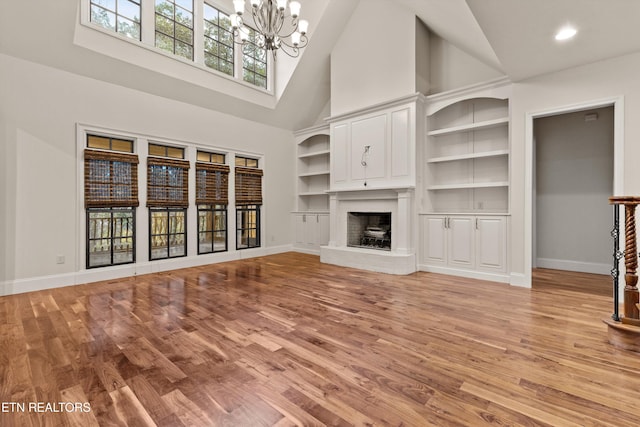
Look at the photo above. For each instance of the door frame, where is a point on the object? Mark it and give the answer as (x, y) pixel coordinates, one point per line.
(618, 164)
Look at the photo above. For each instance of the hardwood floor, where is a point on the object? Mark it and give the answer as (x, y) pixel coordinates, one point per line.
(284, 340)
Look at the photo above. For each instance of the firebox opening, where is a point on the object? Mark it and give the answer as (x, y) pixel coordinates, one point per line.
(371, 230)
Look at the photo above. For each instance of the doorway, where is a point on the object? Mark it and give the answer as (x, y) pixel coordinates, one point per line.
(529, 162)
(573, 158)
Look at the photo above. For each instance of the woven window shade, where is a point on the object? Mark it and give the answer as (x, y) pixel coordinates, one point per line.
(212, 184)
(110, 179)
(248, 186)
(167, 183)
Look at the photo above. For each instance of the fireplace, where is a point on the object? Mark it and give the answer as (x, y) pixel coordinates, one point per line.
(370, 230)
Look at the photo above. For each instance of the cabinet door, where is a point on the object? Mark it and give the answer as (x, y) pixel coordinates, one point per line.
(322, 235)
(434, 240)
(491, 243)
(460, 241)
(299, 230)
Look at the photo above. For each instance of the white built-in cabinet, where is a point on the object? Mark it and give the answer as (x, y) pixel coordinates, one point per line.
(311, 217)
(465, 182)
(465, 242)
(311, 231)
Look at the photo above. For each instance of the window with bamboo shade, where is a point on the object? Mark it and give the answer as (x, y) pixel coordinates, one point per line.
(212, 184)
(110, 179)
(167, 182)
(110, 195)
(248, 186)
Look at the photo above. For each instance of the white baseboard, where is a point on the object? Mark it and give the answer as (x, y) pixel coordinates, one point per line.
(568, 265)
(470, 274)
(31, 284)
(306, 250)
(520, 280)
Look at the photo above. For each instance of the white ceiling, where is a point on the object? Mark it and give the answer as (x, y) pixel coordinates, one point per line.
(517, 36)
(513, 36)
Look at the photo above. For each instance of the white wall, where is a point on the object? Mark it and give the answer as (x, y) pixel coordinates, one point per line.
(451, 68)
(39, 110)
(573, 181)
(374, 58)
(589, 84)
(423, 58)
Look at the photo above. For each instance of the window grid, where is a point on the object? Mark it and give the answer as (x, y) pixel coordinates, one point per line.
(166, 151)
(110, 237)
(247, 226)
(120, 16)
(167, 233)
(246, 162)
(108, 143)
(174, 27)
(254, 61)
(212, 229)
(204, 156)
(218, 40)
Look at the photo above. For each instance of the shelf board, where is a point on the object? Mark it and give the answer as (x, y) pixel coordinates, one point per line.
(495, 153)
(313, 193)
(313, 154)
(468, 185)
(313, 173)
(470, 126)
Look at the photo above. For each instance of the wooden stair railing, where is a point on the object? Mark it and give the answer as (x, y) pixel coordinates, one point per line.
(624, 332)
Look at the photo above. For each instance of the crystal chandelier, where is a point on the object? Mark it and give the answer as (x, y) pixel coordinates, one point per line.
(275, 29)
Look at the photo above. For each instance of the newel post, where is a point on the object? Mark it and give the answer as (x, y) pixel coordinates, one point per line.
(631, 294)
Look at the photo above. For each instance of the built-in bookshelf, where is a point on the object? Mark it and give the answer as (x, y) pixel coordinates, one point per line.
(313, 169)
(466, 163)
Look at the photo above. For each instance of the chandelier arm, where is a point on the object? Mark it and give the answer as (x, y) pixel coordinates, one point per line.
(294, 24)
(285, 48)
(258, 20)
(303, 43)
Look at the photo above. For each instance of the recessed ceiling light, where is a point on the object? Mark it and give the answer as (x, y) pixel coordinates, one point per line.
(566, 33)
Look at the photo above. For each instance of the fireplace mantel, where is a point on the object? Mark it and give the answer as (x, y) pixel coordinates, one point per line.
(369, 193)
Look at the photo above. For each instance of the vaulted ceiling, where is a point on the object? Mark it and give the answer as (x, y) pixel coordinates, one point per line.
(512, 36)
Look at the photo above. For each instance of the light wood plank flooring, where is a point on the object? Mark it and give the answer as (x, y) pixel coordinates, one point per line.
(284, 340)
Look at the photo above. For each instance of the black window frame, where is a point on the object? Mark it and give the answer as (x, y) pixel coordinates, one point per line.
(119, 17)
(252, 55)
(176, 22)
(112, 235)
(240, 227)
(213, 209)
(217, 39)
(168, 234)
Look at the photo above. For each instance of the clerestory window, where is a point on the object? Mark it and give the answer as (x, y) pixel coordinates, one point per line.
(254, 61)
(174, 27)
(120, 16)
(219, 49)
(193, 30)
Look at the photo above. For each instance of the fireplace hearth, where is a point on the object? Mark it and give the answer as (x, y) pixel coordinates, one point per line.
(369, 230)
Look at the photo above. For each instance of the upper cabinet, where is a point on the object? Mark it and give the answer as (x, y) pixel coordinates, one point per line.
(375, 148)
(466, 151)
(313, 169)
